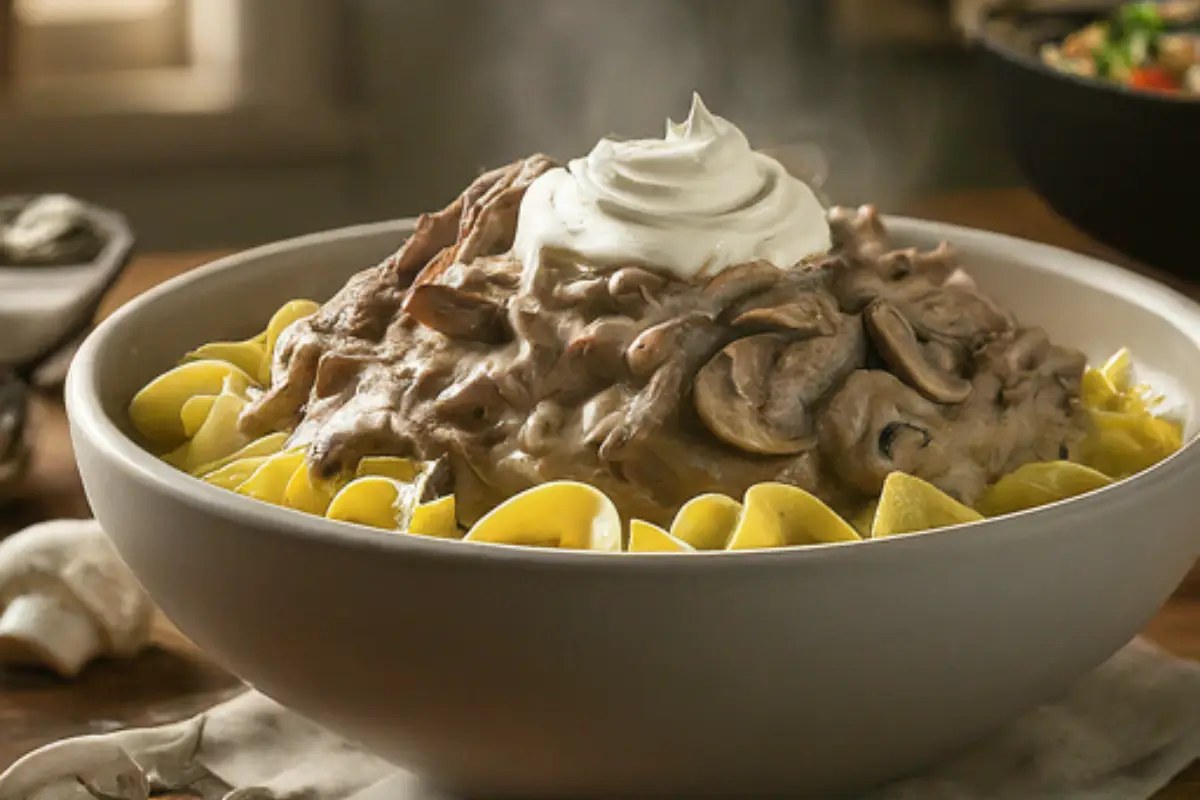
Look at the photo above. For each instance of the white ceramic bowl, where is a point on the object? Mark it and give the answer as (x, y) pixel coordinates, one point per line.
(497, 669)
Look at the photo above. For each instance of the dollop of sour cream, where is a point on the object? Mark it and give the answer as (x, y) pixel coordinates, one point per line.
(691, 204)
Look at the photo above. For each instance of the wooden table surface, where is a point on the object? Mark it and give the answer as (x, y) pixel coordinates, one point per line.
(173, 680)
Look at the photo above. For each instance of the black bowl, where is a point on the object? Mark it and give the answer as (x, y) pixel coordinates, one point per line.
(1123, 165)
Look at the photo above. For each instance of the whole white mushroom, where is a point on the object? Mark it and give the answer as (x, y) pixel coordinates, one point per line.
(66, 598)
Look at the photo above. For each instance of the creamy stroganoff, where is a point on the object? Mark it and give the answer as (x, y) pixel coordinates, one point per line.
(665, 345)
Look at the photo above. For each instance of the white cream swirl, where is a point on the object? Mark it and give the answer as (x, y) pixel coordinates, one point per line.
(691, 204)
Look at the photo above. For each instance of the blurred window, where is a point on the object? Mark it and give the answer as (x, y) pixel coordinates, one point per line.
(61, 38)
(129, 83)
(101, 56)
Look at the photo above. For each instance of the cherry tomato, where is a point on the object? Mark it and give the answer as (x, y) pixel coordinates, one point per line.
(1154, 79)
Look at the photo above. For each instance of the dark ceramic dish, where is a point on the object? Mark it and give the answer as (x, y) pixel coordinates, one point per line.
(1123, 165)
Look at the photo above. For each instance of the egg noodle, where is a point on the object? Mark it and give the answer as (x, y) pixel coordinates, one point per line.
(189, 416)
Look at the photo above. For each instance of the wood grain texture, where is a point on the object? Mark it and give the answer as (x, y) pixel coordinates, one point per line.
(172, 680)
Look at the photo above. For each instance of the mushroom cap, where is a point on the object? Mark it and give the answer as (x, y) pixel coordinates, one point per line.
(66, 574)
(84, 767)
(730, 394)
(897, 343)
(49, 628)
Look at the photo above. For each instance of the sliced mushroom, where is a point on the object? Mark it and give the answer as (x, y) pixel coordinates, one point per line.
(943, 355)
(897, 343)
(741, 281)
(1017, 391)
(806, 370)
(897, 264)
(481, 276)
(673, 338)
(457, 314)
(751, 361)
(953, 312)
(634, 281)
(730, 393)
(494, 228)
(805, 314)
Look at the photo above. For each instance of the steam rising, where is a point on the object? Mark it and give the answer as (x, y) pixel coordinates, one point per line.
(572, 71)
(580, 69)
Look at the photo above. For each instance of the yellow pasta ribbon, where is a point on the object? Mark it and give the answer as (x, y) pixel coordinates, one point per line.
(371, 500)
(556, 514)
(235, 473)
(706, 522)
(910, 505)
(1125, 436)
(781, 515)
(247, 356)
(156, 411)
(217, 435)
(646, 537)
(305, 492)
(437, 518)
(267, 445)
(270, 481)
(403, 470)
(1039, 484)
(383, 502)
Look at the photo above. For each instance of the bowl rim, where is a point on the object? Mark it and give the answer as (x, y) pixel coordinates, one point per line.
(1032, 63)
(89, 422)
